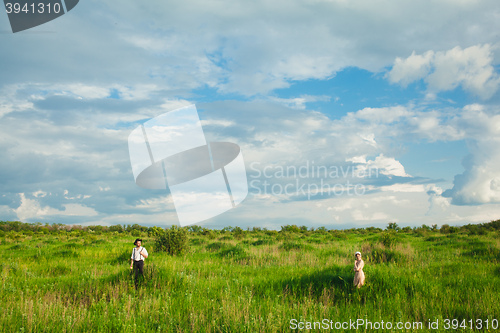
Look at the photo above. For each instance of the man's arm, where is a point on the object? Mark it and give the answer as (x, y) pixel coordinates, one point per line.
(144, 253)
(132, 260)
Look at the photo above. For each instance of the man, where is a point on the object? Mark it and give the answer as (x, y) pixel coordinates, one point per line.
(139, 253)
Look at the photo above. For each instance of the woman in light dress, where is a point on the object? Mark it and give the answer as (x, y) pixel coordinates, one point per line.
(359, 276)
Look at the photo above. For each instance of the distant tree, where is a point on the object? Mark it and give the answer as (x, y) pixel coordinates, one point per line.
(227, 229)
(256, 229)
(321, 230)
(445, 229)
(290, 228)
(393, 226)
(238, 232)
(118, 228)
(406, 229)
(195, 228)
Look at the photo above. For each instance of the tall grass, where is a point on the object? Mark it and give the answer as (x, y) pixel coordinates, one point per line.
(256, 283)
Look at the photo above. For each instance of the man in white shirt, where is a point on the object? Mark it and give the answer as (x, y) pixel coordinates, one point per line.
(139, 253)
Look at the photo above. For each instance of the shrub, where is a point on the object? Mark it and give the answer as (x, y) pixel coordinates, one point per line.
(197, 241)
(236, 252)
(174, 241)
(263, 242)
(216, 246)
(287, 246)
(271, 232)
(388, 239)
(383, 255)
(155, 231)
(209, 233)
(238, 233)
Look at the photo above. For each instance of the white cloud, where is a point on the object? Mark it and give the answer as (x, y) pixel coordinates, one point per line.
(300, 102)
(405, 187)
(388, 166)
(246, 47)
(383, 115)
(39, 193)
(154, 54)
(471, 68)
(31, 209)
(478, 184)
(220, 123)
(413, 68)
(436, 200)
(359, 215)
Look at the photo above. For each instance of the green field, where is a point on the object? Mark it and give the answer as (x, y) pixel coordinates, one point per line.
(249, 280)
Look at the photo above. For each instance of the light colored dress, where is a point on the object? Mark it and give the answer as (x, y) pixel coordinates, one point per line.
(359, 276)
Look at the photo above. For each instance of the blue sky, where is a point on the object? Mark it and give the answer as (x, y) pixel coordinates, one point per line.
(409, 88)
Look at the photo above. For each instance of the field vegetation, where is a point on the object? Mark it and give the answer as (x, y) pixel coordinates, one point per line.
(56, 278)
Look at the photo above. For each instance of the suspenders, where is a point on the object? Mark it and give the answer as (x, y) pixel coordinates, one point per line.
(140, 255)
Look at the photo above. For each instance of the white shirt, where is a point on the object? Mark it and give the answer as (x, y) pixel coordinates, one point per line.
(136, 253)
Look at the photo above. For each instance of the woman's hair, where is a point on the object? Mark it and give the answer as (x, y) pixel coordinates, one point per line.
(357, 253)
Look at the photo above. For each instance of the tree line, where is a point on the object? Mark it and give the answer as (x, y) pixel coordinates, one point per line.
(237, 232)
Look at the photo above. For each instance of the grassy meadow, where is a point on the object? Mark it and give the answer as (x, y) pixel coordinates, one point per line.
(249, 281)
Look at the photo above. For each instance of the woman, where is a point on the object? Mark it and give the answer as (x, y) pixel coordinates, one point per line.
(359, 276)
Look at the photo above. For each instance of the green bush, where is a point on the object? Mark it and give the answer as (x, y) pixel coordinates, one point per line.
(174, 241)
(379, 256)
(388, 239)
(216, 246)
(263, 242)
(155, 231)
(238, 233)
(209, 233)
(236, 252)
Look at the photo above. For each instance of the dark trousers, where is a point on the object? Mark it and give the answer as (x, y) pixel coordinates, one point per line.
(139, 271)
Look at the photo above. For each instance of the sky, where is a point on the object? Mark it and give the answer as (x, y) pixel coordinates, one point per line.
(348, 113)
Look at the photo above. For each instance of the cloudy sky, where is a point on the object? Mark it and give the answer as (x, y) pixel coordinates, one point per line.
(406, 89)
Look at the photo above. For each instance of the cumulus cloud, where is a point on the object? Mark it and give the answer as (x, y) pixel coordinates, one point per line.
(248, 47)
(66, 111)
(31, 208)
(479, 183)
(471, 68)
(413, 68)
(436, 200)
(383, 165)
(385, 115)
